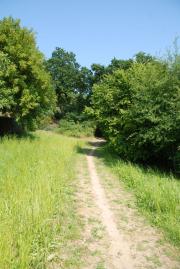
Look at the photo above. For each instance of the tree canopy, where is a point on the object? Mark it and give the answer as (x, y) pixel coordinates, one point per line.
(139, 111)
(72, 83)
(25, 86)
(135, 102)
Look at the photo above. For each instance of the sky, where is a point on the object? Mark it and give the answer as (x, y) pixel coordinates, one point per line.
(99, 30)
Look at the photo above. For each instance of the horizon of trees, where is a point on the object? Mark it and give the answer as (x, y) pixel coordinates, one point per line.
(135, 102)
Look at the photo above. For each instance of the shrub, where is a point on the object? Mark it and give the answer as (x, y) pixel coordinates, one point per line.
(76, 129)
(138, 110)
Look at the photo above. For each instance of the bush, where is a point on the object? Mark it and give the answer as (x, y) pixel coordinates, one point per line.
(76, 129)
(138, 110)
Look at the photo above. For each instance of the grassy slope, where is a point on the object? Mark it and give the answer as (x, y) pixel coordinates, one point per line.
(37, 208)
(157, 194)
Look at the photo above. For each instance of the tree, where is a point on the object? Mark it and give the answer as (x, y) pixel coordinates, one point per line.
(64, 70)
(83, 89)
(26, 92)
(98, 71)
(72, 83)
(152, 124)
(111, 99)
(142, 57)
(139, 111)
(119, 64)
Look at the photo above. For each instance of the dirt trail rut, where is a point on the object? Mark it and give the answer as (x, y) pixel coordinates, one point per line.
(115, 235)
(119, 250)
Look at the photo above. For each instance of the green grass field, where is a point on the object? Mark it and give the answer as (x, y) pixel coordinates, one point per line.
(157, 194)
(37, 208)
(39, 221)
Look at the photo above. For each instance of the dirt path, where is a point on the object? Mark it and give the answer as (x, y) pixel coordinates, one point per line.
(119, 249)
(115, 236)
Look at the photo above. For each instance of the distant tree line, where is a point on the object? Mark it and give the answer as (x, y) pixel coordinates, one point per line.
(134, 102)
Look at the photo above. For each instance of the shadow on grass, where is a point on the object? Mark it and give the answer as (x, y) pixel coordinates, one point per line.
(103, 151)
(97, 145)
(23, 135)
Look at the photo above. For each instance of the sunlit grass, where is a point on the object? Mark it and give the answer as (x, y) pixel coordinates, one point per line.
(37, 209)
(76, 129)
(157, 194)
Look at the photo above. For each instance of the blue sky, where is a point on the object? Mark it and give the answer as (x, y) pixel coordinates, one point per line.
(98, 30)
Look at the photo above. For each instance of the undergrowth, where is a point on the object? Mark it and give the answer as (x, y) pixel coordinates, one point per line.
(76, 129)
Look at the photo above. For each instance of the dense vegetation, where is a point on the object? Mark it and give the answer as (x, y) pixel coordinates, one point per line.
(135, 103)
(37, 207)
(71, 82)
(138, 109)
(76, 129)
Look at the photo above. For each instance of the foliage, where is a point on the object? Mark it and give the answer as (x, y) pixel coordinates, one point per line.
(142, 57)
(157, 194)
(153, 123)
(83, 90)
(71, 83)
(138, 109)
(98, 72)
(119, 64)
(110, 100)
(64, 70)
(37, 209)
(26, 93)
(76, 128)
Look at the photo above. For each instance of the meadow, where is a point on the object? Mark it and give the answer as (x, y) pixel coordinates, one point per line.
(37, 207)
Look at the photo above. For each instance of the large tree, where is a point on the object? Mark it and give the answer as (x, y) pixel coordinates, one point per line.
(72, 83)
(99, 71)
(152, 124)
(26, 92)
(138, 110)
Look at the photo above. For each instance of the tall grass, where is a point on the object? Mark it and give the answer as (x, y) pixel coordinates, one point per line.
(157, 194)
(36, 199)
